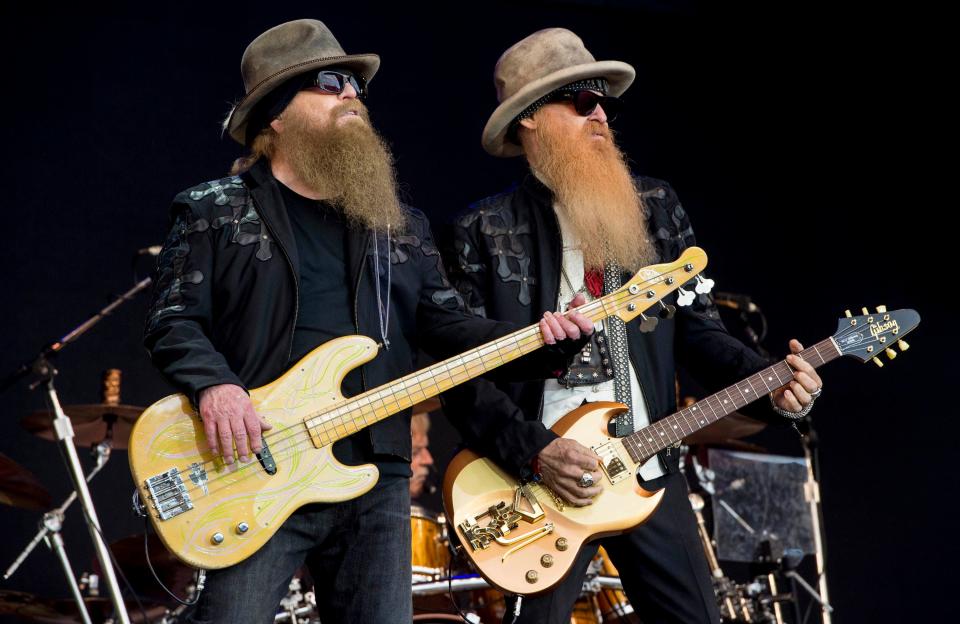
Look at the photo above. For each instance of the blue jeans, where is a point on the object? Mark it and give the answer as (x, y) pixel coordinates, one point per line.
(358, 553)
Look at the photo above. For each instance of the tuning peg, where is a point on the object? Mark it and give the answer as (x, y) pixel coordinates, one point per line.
(903, 345)
(866, 311)
(847, 313)
(891, 353)
(666, 310)
(649, 323)
(881, 309)
(704, 285)
(685, 297)
(877, 361)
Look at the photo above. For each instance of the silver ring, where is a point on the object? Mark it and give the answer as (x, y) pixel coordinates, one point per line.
(586, 480)
(816, 393)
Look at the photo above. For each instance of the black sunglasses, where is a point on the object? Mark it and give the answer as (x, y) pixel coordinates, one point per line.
(334, 82)
(585, 102)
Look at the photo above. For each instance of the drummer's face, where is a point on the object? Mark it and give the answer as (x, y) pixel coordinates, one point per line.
(420, 457)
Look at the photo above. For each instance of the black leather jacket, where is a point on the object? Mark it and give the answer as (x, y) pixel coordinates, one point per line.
(504, 256)
(225, 304)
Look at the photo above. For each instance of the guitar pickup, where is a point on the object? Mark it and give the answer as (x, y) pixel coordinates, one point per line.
(612, 464)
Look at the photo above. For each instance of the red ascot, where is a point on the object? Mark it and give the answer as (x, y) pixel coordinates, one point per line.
(594, 281)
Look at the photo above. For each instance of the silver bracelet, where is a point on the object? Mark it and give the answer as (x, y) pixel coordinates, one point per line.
(792, 415)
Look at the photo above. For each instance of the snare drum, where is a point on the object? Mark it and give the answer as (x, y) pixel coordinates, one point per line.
(429, 545)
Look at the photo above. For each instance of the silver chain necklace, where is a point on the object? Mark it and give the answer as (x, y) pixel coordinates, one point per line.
(383, 314)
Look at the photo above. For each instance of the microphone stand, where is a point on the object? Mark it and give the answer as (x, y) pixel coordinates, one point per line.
(45, 373)
(811, 487)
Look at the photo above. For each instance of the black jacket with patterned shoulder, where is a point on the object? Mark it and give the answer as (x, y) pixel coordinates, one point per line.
(225, 306)
(504, 255)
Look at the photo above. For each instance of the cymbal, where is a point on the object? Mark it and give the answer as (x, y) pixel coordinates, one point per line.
(28, 607)
(726, 430)
(89, 423)
(129, 554)
(19, 488)
(430, 405)
(737, 445)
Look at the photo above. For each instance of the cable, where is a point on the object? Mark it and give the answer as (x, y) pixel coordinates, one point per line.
(199, 579)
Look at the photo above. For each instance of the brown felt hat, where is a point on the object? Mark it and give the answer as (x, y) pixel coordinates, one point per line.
(546, 60)
(286, 51)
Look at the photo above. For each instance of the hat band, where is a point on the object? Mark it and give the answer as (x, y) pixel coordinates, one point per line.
(590, 84)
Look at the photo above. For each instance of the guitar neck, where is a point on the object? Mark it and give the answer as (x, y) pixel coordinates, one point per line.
(377, 404)
(647, 442)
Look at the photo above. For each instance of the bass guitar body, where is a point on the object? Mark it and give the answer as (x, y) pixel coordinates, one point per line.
(213, 515)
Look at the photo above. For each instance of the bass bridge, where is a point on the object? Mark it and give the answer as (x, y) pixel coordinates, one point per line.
(503, 520)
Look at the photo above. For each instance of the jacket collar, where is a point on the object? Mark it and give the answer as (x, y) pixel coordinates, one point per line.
(269, 201)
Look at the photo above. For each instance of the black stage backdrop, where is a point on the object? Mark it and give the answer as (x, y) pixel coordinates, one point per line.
(797, 138)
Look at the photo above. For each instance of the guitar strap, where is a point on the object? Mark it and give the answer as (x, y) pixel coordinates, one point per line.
(616, 331)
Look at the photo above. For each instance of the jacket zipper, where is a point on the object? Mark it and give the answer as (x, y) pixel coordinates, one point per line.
(356, 305)
(296, 280)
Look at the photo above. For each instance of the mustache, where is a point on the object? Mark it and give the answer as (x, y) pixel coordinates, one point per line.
(350, 106)
(596, 127)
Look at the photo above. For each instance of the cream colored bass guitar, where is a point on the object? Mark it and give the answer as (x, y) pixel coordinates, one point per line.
(523, 538)
(213, 515)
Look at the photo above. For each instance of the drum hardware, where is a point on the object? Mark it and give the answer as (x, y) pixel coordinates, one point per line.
(611, 601)
(43, 372)
(467, 583)
(297, 607)
(49, 533)
(788, 563)
(809, 441)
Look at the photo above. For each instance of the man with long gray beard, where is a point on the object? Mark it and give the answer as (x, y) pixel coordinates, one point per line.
(580, 224)
(307, 241)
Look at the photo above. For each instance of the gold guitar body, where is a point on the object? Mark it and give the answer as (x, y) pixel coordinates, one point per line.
(534, 555)
(235, 509)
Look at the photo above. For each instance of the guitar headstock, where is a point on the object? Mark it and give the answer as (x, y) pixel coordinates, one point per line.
(867, 336)
(650, 284)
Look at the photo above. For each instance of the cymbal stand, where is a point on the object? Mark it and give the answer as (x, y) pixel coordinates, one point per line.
(52, 520)
(44, 371)
(64, 431)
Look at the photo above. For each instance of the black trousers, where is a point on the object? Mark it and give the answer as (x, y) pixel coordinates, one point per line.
(661, 563)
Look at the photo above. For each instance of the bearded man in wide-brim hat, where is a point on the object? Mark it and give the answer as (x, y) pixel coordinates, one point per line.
(306, 242)
(579, 225)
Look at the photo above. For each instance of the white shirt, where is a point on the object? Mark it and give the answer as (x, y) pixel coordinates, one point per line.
(558, 400)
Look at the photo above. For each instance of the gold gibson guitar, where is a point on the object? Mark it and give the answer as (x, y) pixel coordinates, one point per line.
(523, 538)
(213, 515)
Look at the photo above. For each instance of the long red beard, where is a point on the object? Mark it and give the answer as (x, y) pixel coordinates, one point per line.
(593, 186)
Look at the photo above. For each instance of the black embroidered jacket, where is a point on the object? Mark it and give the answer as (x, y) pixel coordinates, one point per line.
(225, 304)
(504, 255)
